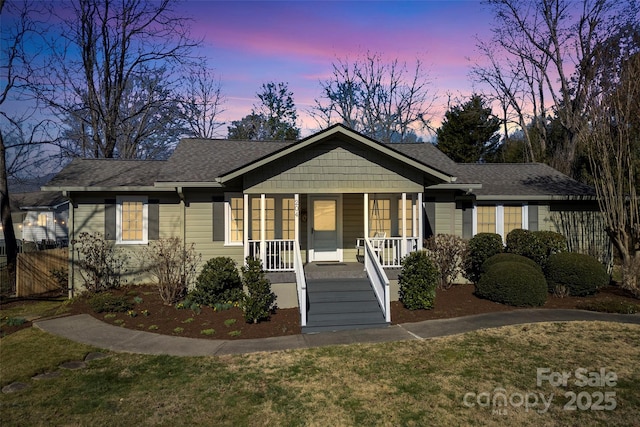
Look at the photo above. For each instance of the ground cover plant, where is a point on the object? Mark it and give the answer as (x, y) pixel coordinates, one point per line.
(420, 382)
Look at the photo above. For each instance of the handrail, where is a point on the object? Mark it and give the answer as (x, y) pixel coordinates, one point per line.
(278, 255)
(301, 283)
(378, 278)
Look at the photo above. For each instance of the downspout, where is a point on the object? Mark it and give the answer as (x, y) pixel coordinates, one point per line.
(72, 237)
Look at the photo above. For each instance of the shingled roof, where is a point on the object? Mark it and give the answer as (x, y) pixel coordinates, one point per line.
(519, 179)
(107, 173)
(204, 161)
(200, 160)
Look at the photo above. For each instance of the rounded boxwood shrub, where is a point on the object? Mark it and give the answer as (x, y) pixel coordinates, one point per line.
(579, 274)
(513, 283)
(417, 281)
(552, 242)
(106, 302)
(525, 243)
(506, 257)
(218, 282)
(482, 246)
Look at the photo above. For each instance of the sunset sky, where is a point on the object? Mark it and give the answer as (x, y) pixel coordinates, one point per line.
(249, 43)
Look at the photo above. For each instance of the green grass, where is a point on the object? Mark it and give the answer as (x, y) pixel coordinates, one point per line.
(401, 383)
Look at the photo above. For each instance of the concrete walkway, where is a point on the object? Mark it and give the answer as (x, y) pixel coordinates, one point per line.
(86, 329)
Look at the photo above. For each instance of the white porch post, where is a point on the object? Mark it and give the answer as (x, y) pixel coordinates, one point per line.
(263, 231)
(296, 225)
(366, 215)
(245, 225)
(404, 249)
(419, 209)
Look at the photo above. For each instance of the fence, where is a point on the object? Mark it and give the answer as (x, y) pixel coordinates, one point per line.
(33, 273)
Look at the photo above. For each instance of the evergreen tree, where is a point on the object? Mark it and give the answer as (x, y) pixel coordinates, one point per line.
(469, 132)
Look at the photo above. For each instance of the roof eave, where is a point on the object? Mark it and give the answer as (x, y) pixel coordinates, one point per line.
(97, 189)
(187, 184)
(534, 197)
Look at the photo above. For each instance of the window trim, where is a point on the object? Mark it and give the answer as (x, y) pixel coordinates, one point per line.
(145, 219)
(227, 219)
(500, 217)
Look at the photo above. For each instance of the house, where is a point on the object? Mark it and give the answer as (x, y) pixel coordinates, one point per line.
(40, 216)
(333, 198)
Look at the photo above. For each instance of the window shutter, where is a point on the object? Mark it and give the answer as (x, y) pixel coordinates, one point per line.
(430, 213)
(153, 220)
(533, 217)
(110, 219)
(467, 222)
(218, 219)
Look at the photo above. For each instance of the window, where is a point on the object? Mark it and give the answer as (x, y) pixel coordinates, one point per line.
(270, 218)
(236, 224)
(408, 212)
(500, 219)
(132, 220)
(288, 218)
(486, 219)
(42, 220)
(512, 218)
(379, 216)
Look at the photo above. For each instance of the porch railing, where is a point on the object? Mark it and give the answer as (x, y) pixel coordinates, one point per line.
(390, 249)
(277, 255)
(301, 283)
(378, 278)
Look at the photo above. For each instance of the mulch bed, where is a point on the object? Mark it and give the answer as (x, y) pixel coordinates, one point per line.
(230, 324)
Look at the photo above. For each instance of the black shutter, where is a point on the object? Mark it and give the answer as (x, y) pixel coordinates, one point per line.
(110, 219)
(218, 219)
(153, 218)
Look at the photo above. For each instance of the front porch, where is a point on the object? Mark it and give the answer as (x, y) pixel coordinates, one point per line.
(329, 227)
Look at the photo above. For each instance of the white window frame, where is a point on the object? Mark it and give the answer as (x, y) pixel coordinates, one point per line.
(145, 219)
(500, 217)
(227, 218)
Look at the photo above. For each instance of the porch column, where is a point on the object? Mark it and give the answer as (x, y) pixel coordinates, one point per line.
(296, 225)
(403, 247)
(420, 216)
(263, 231)
(366, 215)
(245, 224)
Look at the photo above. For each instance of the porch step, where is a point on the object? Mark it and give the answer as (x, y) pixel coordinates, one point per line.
(342, 303)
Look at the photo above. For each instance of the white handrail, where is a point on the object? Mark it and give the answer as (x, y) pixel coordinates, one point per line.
(301, 283)
(378, 278)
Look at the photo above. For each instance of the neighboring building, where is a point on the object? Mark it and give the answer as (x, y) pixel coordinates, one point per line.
(40, 216)
(316, 200)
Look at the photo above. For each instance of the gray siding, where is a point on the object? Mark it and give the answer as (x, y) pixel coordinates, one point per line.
(335, 167)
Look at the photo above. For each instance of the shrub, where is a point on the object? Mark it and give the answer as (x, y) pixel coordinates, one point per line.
(552, 243)
(61, 277)
(107, 302)
(482, 246)
(101, 265)
(506, 257)
(448, 253)
(417, 281)
(580, 274)
(513, 283)
(525, 243)
(259, 302)
(173, 266)
(219, 282)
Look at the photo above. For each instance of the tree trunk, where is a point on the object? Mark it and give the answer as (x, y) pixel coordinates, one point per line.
(5, 213)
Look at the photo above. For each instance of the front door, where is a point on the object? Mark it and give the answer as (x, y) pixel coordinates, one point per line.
(325, 230)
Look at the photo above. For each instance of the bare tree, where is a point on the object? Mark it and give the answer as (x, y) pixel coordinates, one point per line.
(386, 101)
(613, 141)
(15, 72)
(542, 58)
(202, 102)
(105, 49)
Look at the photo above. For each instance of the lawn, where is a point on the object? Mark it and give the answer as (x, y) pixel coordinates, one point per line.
(402, 383)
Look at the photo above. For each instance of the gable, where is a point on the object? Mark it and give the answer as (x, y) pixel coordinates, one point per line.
(334, 166)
